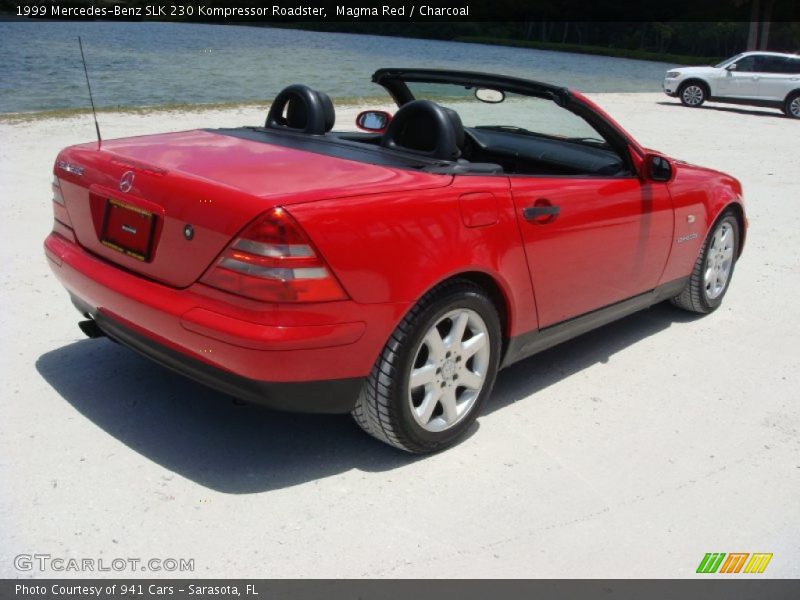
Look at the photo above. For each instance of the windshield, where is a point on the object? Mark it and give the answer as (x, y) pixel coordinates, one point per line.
(728, 61)
(515, 113)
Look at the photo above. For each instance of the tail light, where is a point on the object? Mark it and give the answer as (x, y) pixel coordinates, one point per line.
(58, 198)
(62, 224)
(273, 260)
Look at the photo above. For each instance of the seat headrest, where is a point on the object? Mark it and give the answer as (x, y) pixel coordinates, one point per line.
(458, 126)
(426, 128)
(299, 108)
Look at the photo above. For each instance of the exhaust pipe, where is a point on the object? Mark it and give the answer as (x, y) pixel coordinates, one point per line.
(91, 329)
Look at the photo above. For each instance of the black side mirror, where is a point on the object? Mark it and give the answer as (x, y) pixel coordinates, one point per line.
(657, 168)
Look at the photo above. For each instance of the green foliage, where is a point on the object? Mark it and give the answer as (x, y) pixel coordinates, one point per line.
(597, 50)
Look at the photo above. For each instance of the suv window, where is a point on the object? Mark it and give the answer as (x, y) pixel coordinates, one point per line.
(746, 64)
(789, 66)
(774, 64)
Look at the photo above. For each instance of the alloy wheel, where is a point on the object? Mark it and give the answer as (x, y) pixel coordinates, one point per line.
(719, 261)
(794, 107)
(449, 370)
(693, 95)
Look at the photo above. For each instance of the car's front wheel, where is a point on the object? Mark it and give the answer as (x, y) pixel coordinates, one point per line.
(792, 106)
(692, 94)
(435, 372)
(713, 269)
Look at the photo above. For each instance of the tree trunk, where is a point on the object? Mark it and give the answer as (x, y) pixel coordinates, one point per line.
(528, 30)
(765, 25)
(752, 34)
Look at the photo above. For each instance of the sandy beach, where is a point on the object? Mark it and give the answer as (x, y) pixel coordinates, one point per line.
(660, 437)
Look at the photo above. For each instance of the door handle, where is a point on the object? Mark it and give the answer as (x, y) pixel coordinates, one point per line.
(533, 213)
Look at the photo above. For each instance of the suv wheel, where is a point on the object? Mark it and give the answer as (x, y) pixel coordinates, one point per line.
(692, 94)
(792, 106)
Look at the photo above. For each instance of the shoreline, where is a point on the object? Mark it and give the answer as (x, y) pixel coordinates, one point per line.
(12, 118)
(345, 104)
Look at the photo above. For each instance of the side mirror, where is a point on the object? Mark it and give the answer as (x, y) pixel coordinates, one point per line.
(731, 67)
(374, 121)
(657, 168)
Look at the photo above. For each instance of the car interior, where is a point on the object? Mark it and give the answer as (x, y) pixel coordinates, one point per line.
(427, 136)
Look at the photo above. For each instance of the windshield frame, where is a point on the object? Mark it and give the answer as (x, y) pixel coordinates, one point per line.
(393, 80)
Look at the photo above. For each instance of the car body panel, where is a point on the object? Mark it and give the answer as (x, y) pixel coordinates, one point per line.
(630, 220)
(418, 240)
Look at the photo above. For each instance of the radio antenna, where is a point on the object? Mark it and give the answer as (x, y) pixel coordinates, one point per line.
(91, 99)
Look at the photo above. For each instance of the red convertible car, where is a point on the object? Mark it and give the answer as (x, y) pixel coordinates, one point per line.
(392, 271)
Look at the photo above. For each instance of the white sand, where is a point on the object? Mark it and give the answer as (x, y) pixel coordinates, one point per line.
(629, 452)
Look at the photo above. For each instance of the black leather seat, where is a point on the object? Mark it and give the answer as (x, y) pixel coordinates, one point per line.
(299, 108)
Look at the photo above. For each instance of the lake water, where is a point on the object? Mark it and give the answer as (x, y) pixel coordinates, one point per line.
(150, 64)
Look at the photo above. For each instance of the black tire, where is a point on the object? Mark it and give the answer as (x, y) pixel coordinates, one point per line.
(696, 297)
(693, 93)
(791, 108)
(383, 408)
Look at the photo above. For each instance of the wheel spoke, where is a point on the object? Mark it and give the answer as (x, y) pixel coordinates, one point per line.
(422, 375)
(435, 345)
(448, 400)
(724, 234)
(472, 345)
(469, 379)
(456, 335)
(429, 402)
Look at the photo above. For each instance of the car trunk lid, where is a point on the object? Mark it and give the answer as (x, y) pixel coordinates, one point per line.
(165, 206)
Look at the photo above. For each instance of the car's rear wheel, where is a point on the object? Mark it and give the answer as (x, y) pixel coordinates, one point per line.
(692, 93)
(792, 106)
(435, 372)
(713, 269)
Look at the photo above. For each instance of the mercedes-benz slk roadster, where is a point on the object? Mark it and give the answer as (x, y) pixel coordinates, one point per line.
(388, 272)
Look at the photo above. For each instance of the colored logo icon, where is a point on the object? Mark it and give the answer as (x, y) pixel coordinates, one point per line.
(736, 562)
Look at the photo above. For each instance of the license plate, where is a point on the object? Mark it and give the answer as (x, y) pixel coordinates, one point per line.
(128, 229)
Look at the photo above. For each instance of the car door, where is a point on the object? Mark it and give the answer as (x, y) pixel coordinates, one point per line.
(741, 79)
(591, 241)
(778, 76)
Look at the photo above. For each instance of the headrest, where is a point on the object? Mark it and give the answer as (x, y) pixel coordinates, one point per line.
(426, 128)
(299, 108)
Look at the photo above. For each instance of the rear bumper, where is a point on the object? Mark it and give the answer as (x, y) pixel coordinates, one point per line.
(309, 358)
(331, 396)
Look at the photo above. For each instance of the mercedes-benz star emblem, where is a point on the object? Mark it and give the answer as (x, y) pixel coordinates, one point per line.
(126, 181)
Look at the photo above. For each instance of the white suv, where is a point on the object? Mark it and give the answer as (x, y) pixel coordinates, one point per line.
(755, 78)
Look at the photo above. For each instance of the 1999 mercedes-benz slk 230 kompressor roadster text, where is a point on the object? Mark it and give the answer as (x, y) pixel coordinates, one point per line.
(388, 272)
